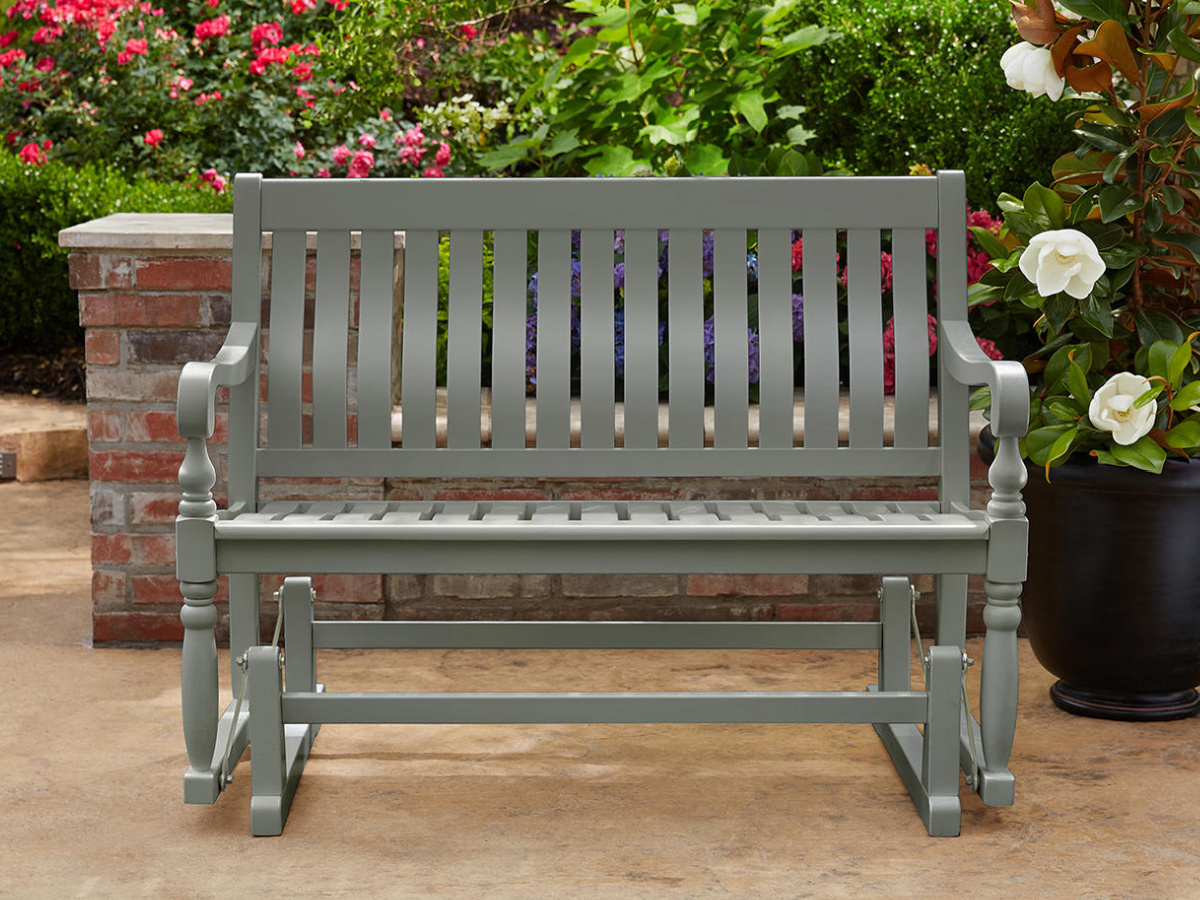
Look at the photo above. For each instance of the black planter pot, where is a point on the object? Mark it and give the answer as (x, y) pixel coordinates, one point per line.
(1112, 603)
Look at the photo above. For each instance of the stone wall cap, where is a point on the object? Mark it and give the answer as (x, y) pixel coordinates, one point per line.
(170, 231)
(152, 231)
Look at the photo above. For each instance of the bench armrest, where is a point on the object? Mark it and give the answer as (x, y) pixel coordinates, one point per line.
(1009, 384)
(198, 382)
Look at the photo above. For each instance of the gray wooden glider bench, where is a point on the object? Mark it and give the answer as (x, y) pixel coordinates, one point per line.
(928, 730)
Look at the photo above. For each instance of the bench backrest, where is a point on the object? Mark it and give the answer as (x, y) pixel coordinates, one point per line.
(353, 345)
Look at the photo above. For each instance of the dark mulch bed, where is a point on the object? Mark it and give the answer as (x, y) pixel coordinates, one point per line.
(59, 375)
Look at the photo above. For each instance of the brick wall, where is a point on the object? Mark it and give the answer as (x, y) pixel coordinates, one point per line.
(154, 294)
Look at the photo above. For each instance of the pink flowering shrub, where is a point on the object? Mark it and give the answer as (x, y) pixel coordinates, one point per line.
(171, 92)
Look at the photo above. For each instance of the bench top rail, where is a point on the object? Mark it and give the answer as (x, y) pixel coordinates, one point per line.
(343, 320)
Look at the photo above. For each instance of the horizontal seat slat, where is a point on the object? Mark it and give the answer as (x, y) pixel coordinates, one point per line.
(605, 520)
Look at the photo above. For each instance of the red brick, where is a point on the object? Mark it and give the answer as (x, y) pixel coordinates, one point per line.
(97, 309)
(118, 272)
(141, 627)
(747, 585)
(619, 585)
(131, 465)
(888, 493)
(162, 310)
(103, 426)
(143, 427)
(103, 347)
(153, 549)
(85, 271)
(491, 494)
(335, 588)
(827, 612)
(137, 385)
(108, 588)
(110, 549)
(155, 589)
(184, 273)
(153, 508)
(633, 492)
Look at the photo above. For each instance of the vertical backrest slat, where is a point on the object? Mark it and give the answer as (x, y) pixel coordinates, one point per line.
(730, 348)
(464, 338)
(246, 307)
(597, 416)
(953, 414)
(685, 325)
(776, 363)
(331, 338)
(641, 339)
(376, 330)
(864, 320)
(285, 357)
(910, 326)
(821, 338)
(554, 339)
(418, 360)
(508, 339)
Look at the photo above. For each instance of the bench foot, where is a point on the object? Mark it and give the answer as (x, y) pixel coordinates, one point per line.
(995, 787)
(928, 763)
(278, 752)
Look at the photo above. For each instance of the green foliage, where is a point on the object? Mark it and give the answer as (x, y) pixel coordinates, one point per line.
(1116, 367)
(912, 82)
(684, 90)
(40, 310)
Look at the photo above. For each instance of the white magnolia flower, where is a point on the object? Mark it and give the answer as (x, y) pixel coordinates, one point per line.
(1062, 260)
(1112, 408)
(1031, 68)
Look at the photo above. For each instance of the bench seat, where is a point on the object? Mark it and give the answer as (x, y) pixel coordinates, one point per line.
(550, 520)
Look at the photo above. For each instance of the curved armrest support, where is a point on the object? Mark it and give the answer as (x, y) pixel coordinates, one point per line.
(1009, 384)
(198, 382)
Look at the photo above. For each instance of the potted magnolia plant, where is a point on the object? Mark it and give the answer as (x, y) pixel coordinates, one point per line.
(1099, 270)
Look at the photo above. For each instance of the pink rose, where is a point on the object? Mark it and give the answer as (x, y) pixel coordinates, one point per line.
(341, 155)
(208, 175)
(32, 155)
(468, 31)
(360, 166)
(45, 64)
(432, 172)
(137, 46)
(153, 137)
(7, 38)
(323, 173)
(367, 140)
(442, 157)
(298, 150)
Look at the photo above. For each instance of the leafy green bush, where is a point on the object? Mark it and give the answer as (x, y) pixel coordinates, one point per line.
(919, 82)
(690, 89)
(38, 308)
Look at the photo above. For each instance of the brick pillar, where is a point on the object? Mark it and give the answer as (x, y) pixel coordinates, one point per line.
(154, 293)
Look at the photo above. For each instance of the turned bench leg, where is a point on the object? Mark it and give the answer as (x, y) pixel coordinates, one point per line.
(998, 693)
(201, 782)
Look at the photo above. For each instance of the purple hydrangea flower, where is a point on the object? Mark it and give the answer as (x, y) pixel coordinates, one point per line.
(797, 318)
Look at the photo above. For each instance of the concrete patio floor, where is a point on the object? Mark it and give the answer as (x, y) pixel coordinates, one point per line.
(91, 763)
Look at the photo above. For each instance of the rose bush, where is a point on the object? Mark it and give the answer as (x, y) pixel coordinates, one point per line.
(225, 85)
(1095, 277)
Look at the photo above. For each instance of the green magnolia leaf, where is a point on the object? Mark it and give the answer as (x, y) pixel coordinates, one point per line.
(1179, 361)
(1077, 383)
(981, 399)
(1061, 448)
(1149, 396)
(1055, 374)
(1045, 205)
(1189, 242)
(750, 105)
(1098, 9)
(1097, 312)
(1105, 237)
(989, 243)
(1116, 201)
(1144, 454)
(1040, 441)
(1158, 361)
(1111, 170)
(1057, 309)
(1108, 138)
(1153, 325)
(1064, 412)
(1186, 397)
(1184, 45)
(1185, 435)
(1172, 199)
